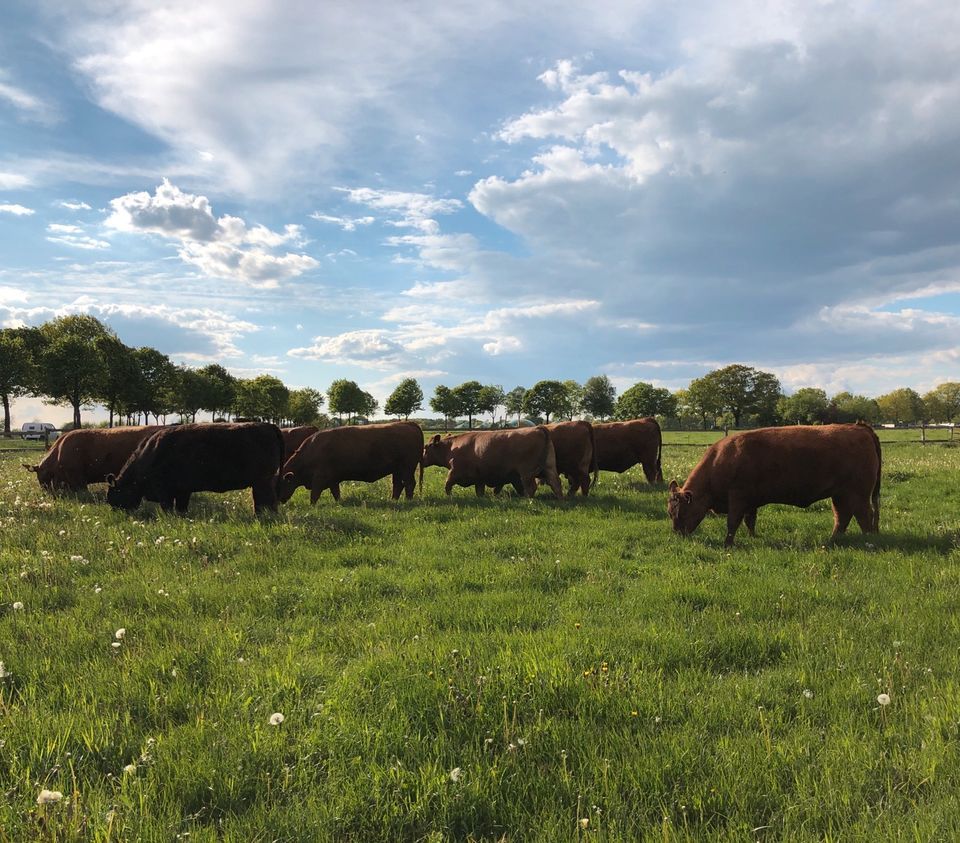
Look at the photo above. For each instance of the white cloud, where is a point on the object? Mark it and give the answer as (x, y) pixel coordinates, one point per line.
(60, 228)
(13, 181)
(72, 205)
(222, 248)
(17, 210)
(76, 241)
(405, 210)
(346, 223)
(359, 348)
(28, 106)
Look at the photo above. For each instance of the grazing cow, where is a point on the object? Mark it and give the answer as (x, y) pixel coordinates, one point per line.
(621, 445)
(576, 456)
(494, 458)
(87, 456)
(367, 452)
(294, 437)
(789, 465)
(177, 461)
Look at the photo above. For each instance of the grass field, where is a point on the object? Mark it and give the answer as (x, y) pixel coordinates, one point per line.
(481, 669)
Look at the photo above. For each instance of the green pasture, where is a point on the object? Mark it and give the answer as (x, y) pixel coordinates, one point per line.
(464, 669)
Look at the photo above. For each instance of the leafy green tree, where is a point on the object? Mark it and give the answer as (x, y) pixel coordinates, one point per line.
(491, 397)
(645, 399)
(368, 405)
(303, 406)
(599, 397)
(513, 402)
(190, 392)
(17, 371)
(468, 396)
(700, 400)
(741, 390)
(407, 398)
(446, 402)
(574, 399)
(806, 406)
(221, 390)
(263, 397)
(901, 406)
(121, 375)
(943, 402)
(346, 397)
(547, 398)
(72, 368)
(157, 383)
(845, 407)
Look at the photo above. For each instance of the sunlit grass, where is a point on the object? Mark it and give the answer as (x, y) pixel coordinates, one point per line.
(574, 661)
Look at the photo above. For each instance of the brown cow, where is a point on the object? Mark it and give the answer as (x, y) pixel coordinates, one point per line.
(789, 465)
(177, 461)
(621, 445)
(494, 458)
(576, 455)
(87, 456)
(294, 437)
(367, 452)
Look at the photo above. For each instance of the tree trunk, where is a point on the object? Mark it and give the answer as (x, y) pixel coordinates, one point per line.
(6, 413)
(76, 415)
(111, 415)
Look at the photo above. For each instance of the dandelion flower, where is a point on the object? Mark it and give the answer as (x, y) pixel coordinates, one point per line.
(49, 797)
(455, 774)
(120, 633)
(585, 823)
(808, 693)
(276, 718)
(130, 769)
(883, 699)
(18, 606)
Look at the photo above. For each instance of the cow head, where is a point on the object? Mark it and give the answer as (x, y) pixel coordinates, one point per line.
(122, 495)
(684, 510)
(436, 452)
(45, 476)
(287, 484)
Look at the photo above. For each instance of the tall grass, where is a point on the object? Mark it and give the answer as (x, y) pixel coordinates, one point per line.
(463, 669)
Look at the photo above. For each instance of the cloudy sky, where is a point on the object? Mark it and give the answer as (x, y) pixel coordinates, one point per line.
(482, 190)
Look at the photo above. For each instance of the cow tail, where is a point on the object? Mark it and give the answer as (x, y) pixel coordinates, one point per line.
(875, 496)
(420, 483)
(659, 477)
(594, 465)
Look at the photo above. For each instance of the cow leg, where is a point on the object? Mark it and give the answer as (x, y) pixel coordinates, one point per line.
(735, 512)
(863, 512)
(410, 485)
(264, 496)
(842, 513)
(182, 502)
(397, 487)
(650, 471)
(480, 489)
(448, 486)
(497, 490)
(554, 481)
(518, 487)
(574, 481)
(530, 486)
(167, 504)
(316, 490)
(335, 491)
(750, 519)
(585, 483)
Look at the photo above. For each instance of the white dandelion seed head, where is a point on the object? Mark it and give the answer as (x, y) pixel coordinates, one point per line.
(49, 797)
(130, 769)
(883, 699)
(455, 774)
(276, 718)
(808, 693)
(18, 606)
(120, 633)
(97, 589)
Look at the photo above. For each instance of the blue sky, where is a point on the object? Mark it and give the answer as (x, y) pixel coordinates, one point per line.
(488, 190)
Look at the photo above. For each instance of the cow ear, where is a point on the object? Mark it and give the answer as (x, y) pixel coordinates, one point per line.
(34, 468)
(435, 439)
(673, 486)
(111, 480)
(288, 476)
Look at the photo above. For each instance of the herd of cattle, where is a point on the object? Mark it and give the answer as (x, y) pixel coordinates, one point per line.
(793, 465)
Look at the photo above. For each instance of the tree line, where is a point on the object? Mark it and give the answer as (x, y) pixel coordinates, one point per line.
(79, 361)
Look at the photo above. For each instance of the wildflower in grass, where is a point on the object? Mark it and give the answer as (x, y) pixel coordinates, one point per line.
(576, 625)
(808, 693)
(130, 769)
(49, 797)
(634, 713)
(97, 589)
(4, 673)
(585, 823)
(276, 718)
(18, 606)
(120, 633)
(116, 645)
(455, 774)
(883, 699)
